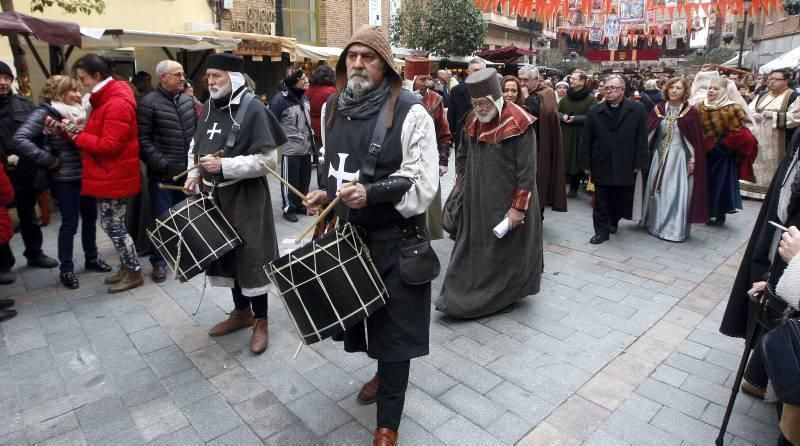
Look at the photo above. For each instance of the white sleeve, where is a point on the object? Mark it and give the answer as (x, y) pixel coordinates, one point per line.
(322, 119)
(420, 162)
(190, 161)
(788, 287)
(247, 166)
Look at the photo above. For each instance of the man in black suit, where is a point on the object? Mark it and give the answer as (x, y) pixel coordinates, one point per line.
(460, 104)
(613, 151)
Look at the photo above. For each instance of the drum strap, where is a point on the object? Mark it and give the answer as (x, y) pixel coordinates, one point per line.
(378, 135)
(244, 104)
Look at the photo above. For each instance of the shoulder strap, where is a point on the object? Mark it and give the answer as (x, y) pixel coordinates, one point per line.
(244, 104)
(378, 135)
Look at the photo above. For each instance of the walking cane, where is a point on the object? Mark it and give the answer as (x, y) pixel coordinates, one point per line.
(752, 325)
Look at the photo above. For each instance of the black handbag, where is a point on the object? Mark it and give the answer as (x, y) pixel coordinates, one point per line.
(418, 263)
(781, 348)
(453, 208)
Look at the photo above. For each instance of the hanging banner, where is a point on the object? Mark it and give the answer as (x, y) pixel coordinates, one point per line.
(613, 43)
(612, 27)
(631, 11)
(596, 34)
(678, 30)
(672, 43)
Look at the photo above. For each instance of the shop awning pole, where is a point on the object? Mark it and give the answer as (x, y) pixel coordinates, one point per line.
(37, 56)
(171, 57)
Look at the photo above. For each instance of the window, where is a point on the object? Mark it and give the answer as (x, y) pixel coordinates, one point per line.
(300, 20)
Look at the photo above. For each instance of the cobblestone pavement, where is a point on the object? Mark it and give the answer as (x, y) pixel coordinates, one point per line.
(619, 347)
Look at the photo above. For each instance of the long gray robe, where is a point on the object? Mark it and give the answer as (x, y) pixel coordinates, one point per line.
(487, 274)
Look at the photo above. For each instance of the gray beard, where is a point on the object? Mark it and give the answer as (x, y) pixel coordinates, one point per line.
(487, 117)
(359, 85)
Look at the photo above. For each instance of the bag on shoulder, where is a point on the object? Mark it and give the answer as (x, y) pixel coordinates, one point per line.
(453, 208)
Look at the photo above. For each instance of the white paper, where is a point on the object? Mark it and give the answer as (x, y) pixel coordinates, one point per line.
(502, 228)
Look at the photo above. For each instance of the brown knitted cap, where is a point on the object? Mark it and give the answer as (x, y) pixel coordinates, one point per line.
(375, 38)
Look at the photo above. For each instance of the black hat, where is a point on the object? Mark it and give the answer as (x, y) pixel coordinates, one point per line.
(293, 78)
(484, 83)
(225, 62)
(5, 69)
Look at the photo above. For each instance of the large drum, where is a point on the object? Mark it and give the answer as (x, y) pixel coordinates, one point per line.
(193, 234)
(329, 284)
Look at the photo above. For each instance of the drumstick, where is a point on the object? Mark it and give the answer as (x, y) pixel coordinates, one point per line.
(218, 153)
(286, 183)
(170, 187)
(323, 214)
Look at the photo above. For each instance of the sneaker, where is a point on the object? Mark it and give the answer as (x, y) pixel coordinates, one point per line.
(69, 280)
(42, 261)
(98, 264)
(290, 216)
(7, 277)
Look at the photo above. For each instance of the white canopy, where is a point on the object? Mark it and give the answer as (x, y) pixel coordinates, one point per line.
(100, 38)
(327, 53)
(787, 60)
(734, 61)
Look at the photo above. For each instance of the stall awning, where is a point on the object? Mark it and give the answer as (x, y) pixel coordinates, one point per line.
(54, 32)
(402, 53)
(622, 56)
(284, 44)
(506, 54)
(734, 61)
(788, 60)
(315, 53)
(103, 39)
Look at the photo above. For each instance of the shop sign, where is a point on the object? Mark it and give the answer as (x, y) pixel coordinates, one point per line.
(258, 48)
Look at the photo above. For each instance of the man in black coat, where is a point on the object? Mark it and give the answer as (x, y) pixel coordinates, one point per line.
(167, 121)
(613, 151)
(29, 181)
(460, 104)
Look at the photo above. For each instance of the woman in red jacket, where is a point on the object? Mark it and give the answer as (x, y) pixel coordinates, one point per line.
(109, 145)
(6, 232)
(322, 84)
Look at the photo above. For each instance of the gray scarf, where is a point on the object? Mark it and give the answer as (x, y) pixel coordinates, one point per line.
(364, 106)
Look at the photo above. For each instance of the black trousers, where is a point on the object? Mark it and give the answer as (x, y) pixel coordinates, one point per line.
(755, 373)
(28, 227)
(242, 302)
(296, 170)
(574, 181)
(392, 385)
(6, 258)
(611, 203)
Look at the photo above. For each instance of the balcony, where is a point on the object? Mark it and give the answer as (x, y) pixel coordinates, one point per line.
(494, 18)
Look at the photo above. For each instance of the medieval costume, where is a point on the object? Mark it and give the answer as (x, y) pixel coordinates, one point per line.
(241, 191)
(433, 102)
(731, 149)
(496, 161)
(761, 261)
(549, 178)
(574, 105)
(673, 197)
(772, 135)
(400, 180)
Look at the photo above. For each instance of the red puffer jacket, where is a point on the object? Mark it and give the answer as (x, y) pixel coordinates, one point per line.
(6, 197)
(110, 144)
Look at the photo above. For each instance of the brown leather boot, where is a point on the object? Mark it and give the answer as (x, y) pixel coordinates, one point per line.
(385, 437)
(131, 280)
(236, 321)
(111, 280)
(369, 391)
(753, 391)
(260, 339)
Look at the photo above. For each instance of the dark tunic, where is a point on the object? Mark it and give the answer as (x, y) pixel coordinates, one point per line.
(245, 203)
(576, 104)
(400, 330)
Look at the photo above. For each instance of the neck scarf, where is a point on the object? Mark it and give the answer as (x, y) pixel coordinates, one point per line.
(364, 106)
(74, 113)
(578, 95)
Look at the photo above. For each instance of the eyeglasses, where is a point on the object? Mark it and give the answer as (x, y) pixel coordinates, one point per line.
(481, 103)
(179, 75)
(613, 88)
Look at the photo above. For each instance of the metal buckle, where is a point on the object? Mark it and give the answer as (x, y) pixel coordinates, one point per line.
(374, 149)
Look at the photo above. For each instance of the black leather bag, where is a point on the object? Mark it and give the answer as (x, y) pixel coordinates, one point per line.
(418, 261)
(781, 348)
(453, 208)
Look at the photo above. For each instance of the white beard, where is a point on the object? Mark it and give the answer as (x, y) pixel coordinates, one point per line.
(487, 117)
(220, 92)
(360, 84)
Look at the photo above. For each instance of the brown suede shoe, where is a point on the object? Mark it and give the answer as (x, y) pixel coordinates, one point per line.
(260, 339)
(236, 321)
(110, 280)
(131, 280)
(752, 390)
(369, 391)
(159, 274)
(385, 437)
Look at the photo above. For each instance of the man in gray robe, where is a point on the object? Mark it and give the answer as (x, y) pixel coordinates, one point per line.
(497, 166)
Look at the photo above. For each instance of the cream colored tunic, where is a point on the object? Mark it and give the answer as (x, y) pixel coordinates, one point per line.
(771, 138)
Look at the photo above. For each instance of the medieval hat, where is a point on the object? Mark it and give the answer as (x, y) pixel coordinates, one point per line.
(417, 66)
(225, 62)
(484, 83)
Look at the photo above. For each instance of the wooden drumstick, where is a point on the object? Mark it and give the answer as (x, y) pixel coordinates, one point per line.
(286, 183)
(323, 214)
(218, 153)
(170, 187)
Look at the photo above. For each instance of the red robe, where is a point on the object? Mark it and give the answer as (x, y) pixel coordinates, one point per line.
(692, 132)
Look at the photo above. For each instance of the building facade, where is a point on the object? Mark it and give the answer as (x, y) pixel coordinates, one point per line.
(775, 34)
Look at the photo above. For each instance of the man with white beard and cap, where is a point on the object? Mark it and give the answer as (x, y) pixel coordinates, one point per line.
(496, 161)
(398, 175)
(234, 120)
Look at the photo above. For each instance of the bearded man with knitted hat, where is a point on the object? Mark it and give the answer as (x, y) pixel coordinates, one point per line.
(239, 188)
(397, 180)
(417, 79)
(496, 162)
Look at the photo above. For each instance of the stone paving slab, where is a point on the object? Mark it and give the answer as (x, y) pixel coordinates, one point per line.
(620, 347)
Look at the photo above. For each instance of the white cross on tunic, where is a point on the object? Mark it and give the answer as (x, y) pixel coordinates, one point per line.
(212, 131)
(340, 174)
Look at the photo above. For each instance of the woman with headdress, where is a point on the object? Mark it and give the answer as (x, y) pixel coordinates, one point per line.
(676, 190)
(732, 147)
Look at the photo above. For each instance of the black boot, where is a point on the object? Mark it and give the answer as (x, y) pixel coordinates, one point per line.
(42, 261)
(69, 280)
(98, 264)
(7, 314)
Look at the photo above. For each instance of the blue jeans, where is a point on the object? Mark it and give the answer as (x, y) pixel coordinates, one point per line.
(74, 206)
(160, 201)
